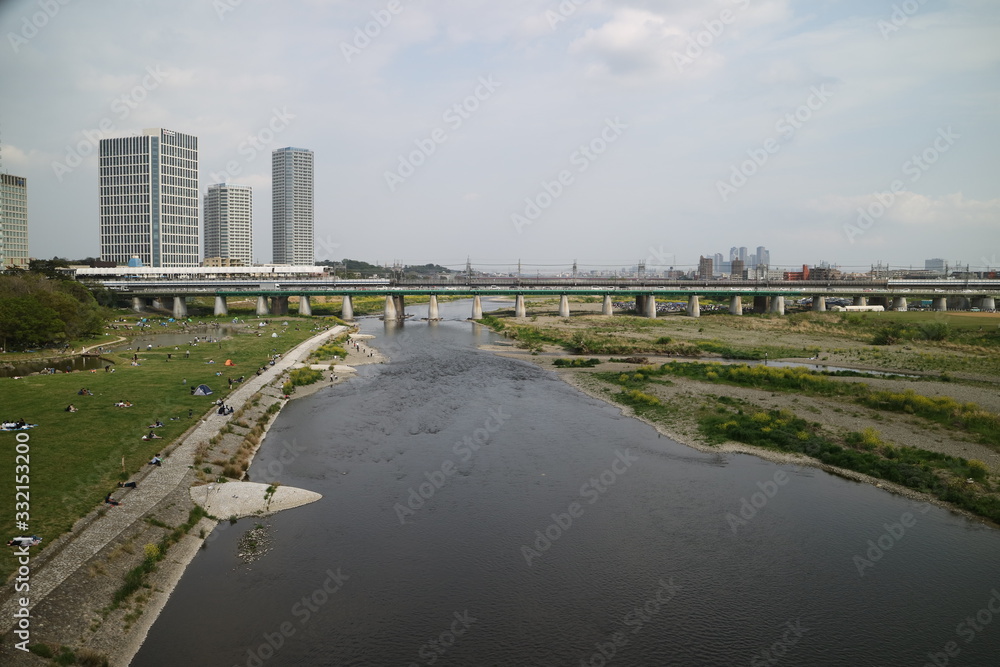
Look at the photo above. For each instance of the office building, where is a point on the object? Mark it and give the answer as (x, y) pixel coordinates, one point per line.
(149, 198)
(292, 206)
(13, 222)
(938, 266)
(763, 256)
(704, 267)
(737, 269)
(229, 225)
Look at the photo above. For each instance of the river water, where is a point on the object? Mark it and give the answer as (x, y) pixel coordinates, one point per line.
(478, 511)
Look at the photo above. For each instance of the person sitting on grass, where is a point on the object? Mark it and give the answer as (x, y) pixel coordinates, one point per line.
(70, 408)
(156, 424)
(127, 485)
(111, 501)
(151, 436)
(156, 461)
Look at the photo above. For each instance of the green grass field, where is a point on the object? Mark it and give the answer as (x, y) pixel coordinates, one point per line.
(76, 458)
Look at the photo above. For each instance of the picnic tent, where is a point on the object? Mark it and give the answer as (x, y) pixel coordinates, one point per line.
(202, 390)
(229, 362)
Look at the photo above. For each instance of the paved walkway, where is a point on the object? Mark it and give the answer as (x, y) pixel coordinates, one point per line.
(156, 486)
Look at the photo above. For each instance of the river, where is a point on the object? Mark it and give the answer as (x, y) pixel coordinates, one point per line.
(478, 511)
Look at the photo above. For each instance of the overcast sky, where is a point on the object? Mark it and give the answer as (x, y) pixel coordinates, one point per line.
(606, 131)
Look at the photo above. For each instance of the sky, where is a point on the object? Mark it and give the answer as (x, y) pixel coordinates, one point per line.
(608, 132)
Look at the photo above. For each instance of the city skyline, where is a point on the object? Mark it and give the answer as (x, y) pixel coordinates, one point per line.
(501, 132)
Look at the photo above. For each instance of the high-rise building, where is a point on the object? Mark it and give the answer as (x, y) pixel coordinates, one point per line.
(149, 198)
(229, 223)
(936, 265)
(763, 256)
(13, 221)
(704, 267)
(292, 206)
(737, 268)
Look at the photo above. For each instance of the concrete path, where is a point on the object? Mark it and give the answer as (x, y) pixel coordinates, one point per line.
(157, 485)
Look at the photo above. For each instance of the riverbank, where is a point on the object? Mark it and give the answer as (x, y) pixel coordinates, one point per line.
(75, 581)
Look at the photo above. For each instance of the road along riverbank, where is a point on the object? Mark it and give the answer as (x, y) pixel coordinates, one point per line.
(73, 592)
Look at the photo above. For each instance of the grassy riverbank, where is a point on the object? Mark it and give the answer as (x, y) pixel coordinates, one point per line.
(76, 458)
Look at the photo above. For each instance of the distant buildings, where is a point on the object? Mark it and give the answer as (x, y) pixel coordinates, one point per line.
(737, 269)
(13, 221)
(704, 268)
(939, 266)
(149, 198)
(229, 225)
(292, 206)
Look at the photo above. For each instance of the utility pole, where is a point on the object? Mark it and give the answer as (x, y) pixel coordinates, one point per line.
(574, 268)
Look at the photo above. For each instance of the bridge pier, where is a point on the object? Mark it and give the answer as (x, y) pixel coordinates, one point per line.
(694, 306)
(640, 304)
(607, 309)
(735, 305)
(819, 304)
(899, 303)
(940, 303)
(389, 312)
(262, 308)
(180, 308)
(563, 305)
(477, 308)
(279, 305)
(305, 307)
(860, 301)
(988, 304)
(347, 309)
(221, 307)
(400, 306)
(760, 304)
(650, 301)
(432, 309)
(138, 304)
(158, 303)
(519, 310)
(778, 305)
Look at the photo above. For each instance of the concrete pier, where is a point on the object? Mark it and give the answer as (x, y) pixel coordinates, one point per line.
(760, 304)
(860, 301)
(279, 305)
(305, 308)
(400, 306)
(390, 308)
(988, 304)
(640, 304)
(347, 309)
(432, 309)
(778, 305)
(262, 308)
(519, 310)
(940, 304)
(694, 306)
(607, 309)
(819, 304)
(735, 305)
(899, 303)
(221, 307)
(477, 308)
(180, 308)
(138, 304)
(158, 303)
(650, 306)
(563, 306)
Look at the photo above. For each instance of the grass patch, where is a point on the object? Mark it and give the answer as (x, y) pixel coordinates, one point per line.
(576, 363)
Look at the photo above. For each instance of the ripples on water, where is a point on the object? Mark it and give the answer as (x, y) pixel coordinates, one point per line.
(653, 557)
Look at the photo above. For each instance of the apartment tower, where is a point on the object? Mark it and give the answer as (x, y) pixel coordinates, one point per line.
(292, 207)
(229, 224)
(13, 222)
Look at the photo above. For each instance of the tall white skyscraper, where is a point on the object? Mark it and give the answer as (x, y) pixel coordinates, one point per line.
(149, 198)
(229, 223)
(292, 206)
(13, 221)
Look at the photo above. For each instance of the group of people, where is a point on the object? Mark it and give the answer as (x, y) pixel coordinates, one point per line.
(121, 485)
(16, 425)
(84, 392)
(224, 409)
(123, 404)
